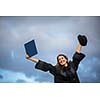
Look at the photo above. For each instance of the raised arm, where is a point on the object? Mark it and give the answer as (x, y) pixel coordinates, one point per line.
(42, 65)
(78, 49)
(32, 59)
(78, 56)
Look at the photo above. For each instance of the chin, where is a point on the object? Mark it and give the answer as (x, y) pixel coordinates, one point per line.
(62, 64)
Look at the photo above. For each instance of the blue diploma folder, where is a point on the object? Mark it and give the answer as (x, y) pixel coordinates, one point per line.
(30, 48)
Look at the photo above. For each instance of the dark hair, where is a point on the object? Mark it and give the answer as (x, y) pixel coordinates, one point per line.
(62, 55)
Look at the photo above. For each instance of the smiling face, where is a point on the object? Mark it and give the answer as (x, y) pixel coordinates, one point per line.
(62, 60)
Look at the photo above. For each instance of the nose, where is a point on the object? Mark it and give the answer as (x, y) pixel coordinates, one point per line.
(62, 60)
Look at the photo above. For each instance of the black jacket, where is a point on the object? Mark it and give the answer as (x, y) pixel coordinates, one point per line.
(68, 74)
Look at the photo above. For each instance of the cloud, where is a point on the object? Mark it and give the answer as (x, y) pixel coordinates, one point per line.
(46, 77)
(20, 81)
(89, 70)
(1, 77)
(11, 76)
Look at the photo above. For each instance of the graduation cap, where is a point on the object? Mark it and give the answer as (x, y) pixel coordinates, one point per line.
(30, 48)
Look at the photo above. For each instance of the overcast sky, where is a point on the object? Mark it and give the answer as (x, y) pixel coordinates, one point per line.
(53, 35)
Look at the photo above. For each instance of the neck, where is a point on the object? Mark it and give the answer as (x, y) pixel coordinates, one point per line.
(66, 65)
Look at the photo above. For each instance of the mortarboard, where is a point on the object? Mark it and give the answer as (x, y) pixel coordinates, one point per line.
(30, 48)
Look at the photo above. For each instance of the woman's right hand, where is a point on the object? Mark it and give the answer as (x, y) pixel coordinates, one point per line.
(27, 56)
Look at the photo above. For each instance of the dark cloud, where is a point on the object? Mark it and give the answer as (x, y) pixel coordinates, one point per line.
(1, 77)
(89, 70)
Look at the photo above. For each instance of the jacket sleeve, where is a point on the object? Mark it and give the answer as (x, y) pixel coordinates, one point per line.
(77, 57)
(41, 65)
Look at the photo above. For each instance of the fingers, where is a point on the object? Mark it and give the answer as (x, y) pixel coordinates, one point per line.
(27, 56)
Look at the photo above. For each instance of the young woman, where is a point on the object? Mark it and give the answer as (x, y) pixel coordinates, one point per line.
(64, 71)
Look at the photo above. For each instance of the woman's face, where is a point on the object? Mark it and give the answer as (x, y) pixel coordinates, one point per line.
(62, 60)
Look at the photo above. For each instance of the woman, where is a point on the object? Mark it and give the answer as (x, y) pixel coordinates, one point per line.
(65, 71)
